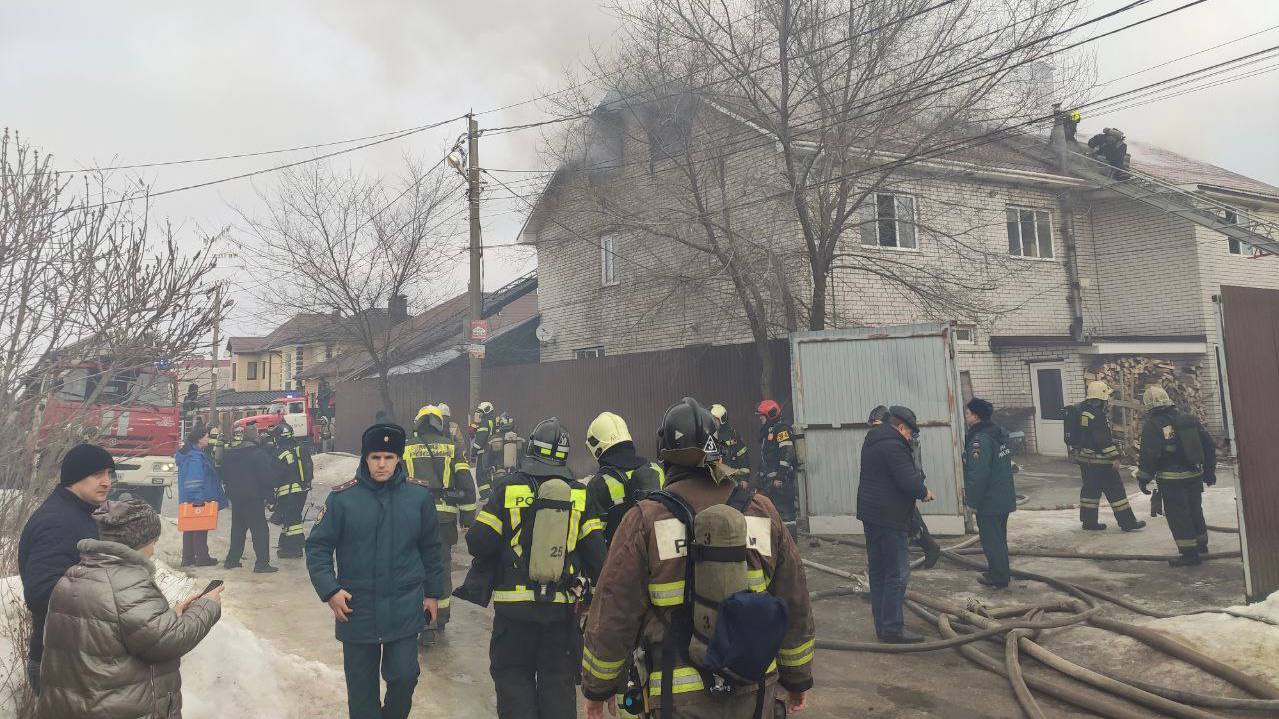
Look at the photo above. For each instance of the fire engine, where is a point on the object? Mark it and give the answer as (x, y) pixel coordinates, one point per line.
(293, 408)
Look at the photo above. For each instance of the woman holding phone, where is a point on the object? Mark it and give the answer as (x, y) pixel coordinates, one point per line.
(112, 643)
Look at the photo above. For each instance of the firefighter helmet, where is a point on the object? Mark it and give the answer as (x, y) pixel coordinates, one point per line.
(769, 409)
(606, 431)
(719, 412)
(1155, 396)
(877, 415)
(429, 417)
(237, 434)
(1076, 116)
(687, 435)
(444, 410)
(485, 408)
(505, 423)
(215, 432)
(283, 429)
(547, 448)
(1099, 390)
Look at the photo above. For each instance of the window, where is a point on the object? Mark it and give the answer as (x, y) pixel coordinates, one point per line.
(890, 222)
(589, 352)
(328, 351)
(608, 260)
(965, 334)
(233, 365)
(1030, 232)
(1238, 247)
(297, 365)
(253, 371)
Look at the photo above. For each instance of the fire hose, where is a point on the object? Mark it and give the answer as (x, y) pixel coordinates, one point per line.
(1018, 638)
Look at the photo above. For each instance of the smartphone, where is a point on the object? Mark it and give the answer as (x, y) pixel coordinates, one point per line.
(212, 585)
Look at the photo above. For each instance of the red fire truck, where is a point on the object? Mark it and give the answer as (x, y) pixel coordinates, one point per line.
(293, 408)
(134, 416)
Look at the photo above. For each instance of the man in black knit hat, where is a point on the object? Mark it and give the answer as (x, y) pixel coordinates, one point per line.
(47, 547)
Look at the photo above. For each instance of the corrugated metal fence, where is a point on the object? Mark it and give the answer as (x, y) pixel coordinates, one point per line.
(639, 387)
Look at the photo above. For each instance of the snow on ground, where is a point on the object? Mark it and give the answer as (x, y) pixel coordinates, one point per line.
(1245, 644)
(334, 468)
(233, 672)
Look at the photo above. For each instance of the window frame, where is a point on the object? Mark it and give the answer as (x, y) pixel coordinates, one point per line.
(251, 372)
(874, 223)
(608, 260)
(591, 352)
(1239, 248)
(1037, 224)
(972, 334)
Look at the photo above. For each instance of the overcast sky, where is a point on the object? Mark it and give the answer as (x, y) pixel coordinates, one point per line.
(133, 82)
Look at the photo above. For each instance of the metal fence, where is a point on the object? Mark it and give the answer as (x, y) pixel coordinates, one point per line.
(639, 387)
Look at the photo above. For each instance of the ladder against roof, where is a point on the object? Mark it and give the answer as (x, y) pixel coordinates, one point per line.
(1261, 235)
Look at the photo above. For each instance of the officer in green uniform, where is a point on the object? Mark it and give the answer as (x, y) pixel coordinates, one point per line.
(383, 529)
(988, 487)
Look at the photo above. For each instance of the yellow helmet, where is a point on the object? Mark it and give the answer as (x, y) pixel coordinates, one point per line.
(606, 431)
(1076, 116)
(1099, 390)
(429, 415)
(719, 412)
(1156, 396)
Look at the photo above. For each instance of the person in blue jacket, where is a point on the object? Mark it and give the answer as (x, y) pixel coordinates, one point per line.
(988, 487)
(197, 483)
(383, 531)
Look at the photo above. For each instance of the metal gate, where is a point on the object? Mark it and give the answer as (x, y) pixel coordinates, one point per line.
(838, 377)
(1250, 320)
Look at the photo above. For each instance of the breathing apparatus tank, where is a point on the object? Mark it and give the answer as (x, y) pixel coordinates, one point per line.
(719, 569)
(549, 545)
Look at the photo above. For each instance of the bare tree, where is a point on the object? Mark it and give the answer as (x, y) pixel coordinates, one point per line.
(344, 247)
(81, 279)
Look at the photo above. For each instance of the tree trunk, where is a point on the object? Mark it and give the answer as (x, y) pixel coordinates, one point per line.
(384, 388)
(817, 313)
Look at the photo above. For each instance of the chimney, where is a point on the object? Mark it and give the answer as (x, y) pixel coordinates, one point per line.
(398, 309)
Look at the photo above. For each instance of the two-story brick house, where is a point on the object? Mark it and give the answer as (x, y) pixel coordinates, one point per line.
(1046, 271)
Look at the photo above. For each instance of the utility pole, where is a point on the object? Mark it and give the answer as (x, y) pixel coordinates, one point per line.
(475, 346)
(217, 326)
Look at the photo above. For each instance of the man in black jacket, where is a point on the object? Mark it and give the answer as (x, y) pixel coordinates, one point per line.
(47, 547)
(886, 493)
(248, 473)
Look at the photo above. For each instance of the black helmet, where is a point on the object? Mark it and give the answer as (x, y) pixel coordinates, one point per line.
(546, 453)
(687, 435)
(906, 415)
(283, 429)
(877, 415)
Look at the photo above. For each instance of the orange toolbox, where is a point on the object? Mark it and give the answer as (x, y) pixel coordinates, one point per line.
(197, 517)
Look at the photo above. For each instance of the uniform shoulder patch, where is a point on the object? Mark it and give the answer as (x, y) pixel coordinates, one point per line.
(345, 485)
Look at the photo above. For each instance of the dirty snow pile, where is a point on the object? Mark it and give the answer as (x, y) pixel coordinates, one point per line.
(233, 672)
(1245, 644)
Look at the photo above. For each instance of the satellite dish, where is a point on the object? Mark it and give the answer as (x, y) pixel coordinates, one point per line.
(545, 333)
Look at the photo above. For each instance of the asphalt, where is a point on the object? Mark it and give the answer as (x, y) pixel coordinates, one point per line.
(455, 682)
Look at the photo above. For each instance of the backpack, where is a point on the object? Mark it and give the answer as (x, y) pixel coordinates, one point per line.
(732, 641)
(1072, 428)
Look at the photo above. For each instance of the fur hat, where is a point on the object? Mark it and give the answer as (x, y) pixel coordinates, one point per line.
(981, 408)
(131, 522)
(84, 460)
(382, 438)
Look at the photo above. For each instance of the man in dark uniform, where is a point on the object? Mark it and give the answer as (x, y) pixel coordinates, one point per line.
(431, 456)
(732, 449)
(534, 649)
(988, 487)
(294, 474)
(624, 477)
(248, 474)
(481, 457)
(388, 580)
(777, 458)
(1179, 454)
(1098, 460)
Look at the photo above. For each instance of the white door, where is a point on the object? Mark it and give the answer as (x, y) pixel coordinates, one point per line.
(1050, 407)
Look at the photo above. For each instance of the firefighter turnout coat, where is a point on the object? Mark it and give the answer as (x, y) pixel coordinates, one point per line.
(1097, 445)
(642, 587)
(439, 462)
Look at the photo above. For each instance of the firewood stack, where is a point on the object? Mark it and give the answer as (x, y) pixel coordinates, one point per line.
(1129, 377)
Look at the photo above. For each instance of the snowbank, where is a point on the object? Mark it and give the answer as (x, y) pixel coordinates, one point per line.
(1245, 644)
(233, 672)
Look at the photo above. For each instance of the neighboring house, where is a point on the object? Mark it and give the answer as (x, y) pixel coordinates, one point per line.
(1088, 273)
(200, 372)
(253, 367)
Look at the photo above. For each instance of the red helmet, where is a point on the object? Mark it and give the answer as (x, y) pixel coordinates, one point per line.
(769, 409)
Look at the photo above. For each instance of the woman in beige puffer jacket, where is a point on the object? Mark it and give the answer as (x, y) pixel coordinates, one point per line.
(112, 643)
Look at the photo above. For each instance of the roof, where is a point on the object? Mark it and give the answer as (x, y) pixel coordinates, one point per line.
(203, 362)
(245, 345)
(1178, 169)
(440, 328)
(232, 398)
(309, 327)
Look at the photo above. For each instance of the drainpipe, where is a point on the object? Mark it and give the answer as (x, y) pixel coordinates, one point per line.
(1066, 204)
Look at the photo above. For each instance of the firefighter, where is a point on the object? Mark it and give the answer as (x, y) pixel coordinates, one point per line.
(916, 529)
(295, 472)
(547, 548)
(1110, 145)
(644, 595)
(624, 476)
(777, 458)
(482, 431)
(732, 449)
(432, 457)
(1179, 454)
(453, 430)
(1098, 460)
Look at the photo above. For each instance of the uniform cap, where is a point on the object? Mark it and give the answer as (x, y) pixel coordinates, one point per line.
(605, 432)
(1099, 390)
(382, 438)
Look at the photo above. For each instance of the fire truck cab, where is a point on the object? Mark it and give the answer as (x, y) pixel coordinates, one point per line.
(292, 408)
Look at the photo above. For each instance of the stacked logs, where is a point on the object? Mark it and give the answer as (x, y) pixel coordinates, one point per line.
(1129, 377)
